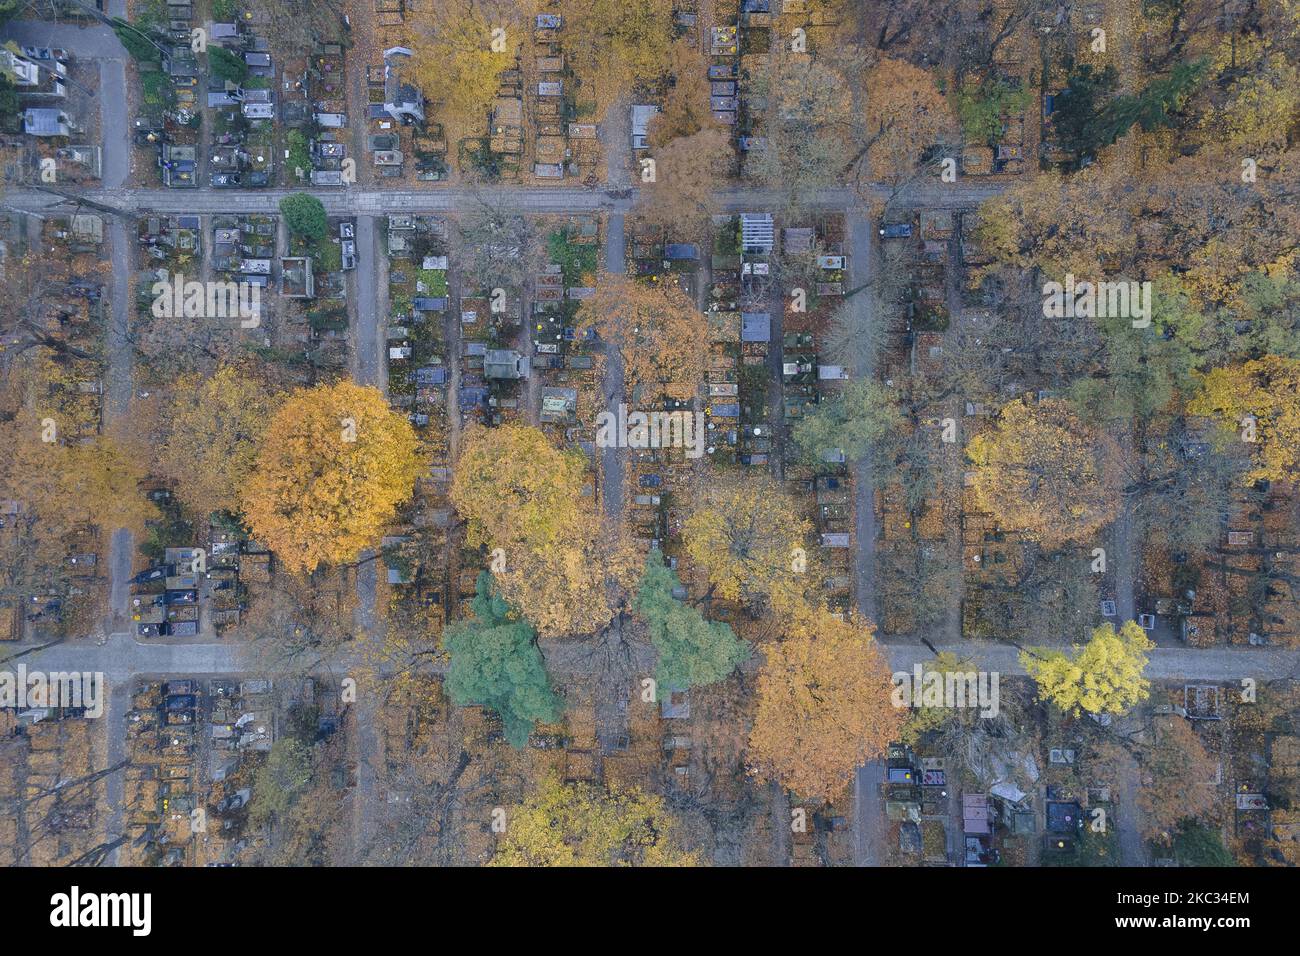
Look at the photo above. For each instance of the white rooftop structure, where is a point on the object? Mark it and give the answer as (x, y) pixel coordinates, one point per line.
(756, 232)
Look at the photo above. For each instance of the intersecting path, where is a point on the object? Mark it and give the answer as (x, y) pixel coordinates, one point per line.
(533, 200)
(123, 656)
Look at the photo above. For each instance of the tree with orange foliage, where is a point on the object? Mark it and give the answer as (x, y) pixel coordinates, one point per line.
(824, 705)
(906, 114)
(1175, 772)
(686, 109)
(688, 172)
(662, 336)
(334, 465)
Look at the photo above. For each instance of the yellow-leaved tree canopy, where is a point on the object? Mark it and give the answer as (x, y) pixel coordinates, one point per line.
(1043, 472)
(746, 535)
(513, 485)
(63, 488)
(1257, 402)
(563, 569)
(1102, 677)
(614, 46)
(334, 465)
(211, 435)
(581, 824)
(824, 704)
(461, 47)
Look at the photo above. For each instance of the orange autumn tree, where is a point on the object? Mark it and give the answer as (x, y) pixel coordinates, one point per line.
(1043, 472)
(1257, 402)
(692, 153)
(906, 114)
(334, 465)
(661, 335)
(686, 110)
(689, 171)
(1177, 774)
(824, 705)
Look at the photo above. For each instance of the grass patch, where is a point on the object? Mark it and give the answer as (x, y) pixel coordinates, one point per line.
(1090, 849)
(435, 282)
(158, 91)
(574, 260)
(329, 257)
(981, 109)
